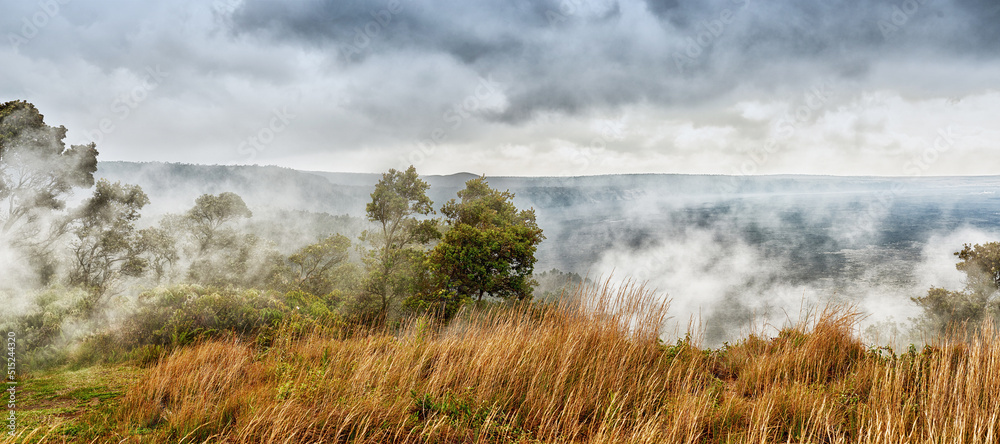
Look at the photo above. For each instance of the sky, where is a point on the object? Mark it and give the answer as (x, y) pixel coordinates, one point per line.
(518, 87)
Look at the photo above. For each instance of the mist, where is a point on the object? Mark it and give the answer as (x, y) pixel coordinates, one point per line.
(743, 264)
(729, 253)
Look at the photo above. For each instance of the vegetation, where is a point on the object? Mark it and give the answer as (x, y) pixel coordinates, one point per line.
(944, 309)
(528, 372)
(486, 249)
(106, 244)
(196, 329)
(316, 269)
(37, 172)
(398, 240)
(36, 168)
(210, 214)
(489, 248)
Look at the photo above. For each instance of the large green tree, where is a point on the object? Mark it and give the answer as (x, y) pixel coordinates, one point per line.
(489, 246)
(37, 171)
(399, 239)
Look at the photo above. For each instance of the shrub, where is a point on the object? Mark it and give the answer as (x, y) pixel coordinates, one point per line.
(183, 314)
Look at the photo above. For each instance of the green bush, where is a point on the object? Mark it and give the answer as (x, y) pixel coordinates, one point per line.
(57, 330)
(54, 319)
(183, 314)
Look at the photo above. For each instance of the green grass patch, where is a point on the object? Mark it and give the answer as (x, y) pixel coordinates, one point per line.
(76, 404)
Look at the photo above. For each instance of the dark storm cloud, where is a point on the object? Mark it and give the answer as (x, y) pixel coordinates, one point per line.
(572, 55)
(684, 86)
(476, 31)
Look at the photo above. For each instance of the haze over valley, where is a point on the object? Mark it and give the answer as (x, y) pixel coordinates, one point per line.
(729, 250)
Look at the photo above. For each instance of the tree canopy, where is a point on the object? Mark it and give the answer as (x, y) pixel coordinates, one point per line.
(981, 265)
(489, 247)
(211, 212)
(399, 240)
(312, 268)
(36, 169)
(978, 300)
(107, 244)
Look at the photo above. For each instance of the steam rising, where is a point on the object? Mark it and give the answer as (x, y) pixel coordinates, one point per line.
(727, 278)
(730, 258)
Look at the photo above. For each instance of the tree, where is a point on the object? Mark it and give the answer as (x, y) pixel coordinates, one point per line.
(107, 245)
(977, 301)
(554, 283)
(399, 240)
(36, 173)
(981, 265)
(489, 247)
(210, 213)
(313, 268)
(222, 255)
(244, 260)
(160, 250)
(36, 169)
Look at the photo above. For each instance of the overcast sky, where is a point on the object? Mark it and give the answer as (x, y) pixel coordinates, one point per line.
(519, 87)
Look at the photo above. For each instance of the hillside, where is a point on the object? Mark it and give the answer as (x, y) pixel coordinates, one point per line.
(585, 216)
(724, 248)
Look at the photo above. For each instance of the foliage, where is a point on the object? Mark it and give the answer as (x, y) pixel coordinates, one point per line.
(36, 169)
(219, 254)
(528, 373)
(944, 309)
(107, 245)
(58, 327)
(160, 251)
(440, 302)
(981, 265)
(83, 400)
(210, 213)
(291, 229)
(554, 284)
(42, 326)
(37, 173)
(399, 240)
(517, 374)
(489, 247)
(182, 314)
(316, 268)
(244, 261)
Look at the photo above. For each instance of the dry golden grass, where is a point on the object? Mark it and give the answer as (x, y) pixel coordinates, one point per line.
(592, 371)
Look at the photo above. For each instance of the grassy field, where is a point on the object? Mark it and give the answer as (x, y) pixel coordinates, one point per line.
(588, 371)
(72, 404)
